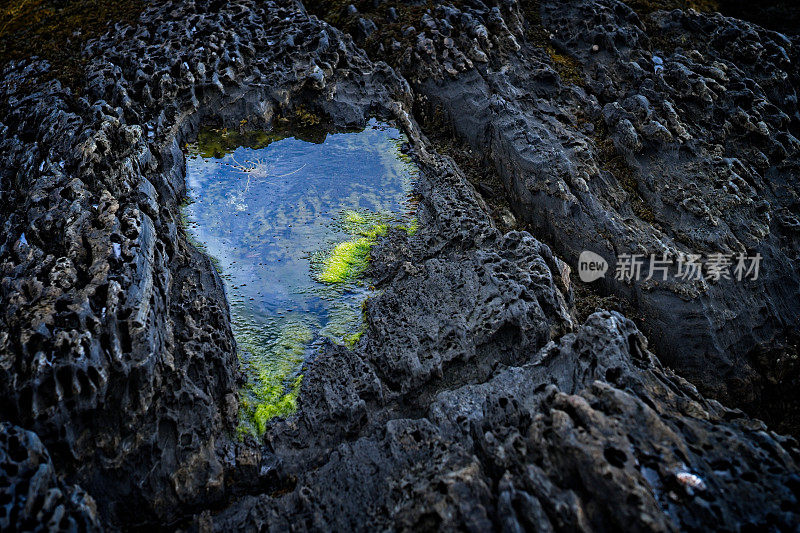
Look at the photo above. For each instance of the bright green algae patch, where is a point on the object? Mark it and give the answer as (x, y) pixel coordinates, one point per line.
(272, 386)
(290, 225)
(349, 259)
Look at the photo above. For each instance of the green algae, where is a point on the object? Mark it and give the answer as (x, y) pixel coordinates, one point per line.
(342, 321)
(216, 143)
(352, 339)
(347, 261)
(350, 259)
(272, 384)
(411, 228)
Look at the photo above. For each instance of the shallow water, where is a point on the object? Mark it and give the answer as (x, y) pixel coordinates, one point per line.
(270, 213)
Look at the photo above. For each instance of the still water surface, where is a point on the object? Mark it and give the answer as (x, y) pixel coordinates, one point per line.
(269, 213)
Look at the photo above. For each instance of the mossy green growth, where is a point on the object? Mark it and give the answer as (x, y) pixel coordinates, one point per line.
(349, 259)
(216, 143)
(271, 389)
(364, 223)
(352, 339)
(411, 228)
(346, 322)
(183, 206)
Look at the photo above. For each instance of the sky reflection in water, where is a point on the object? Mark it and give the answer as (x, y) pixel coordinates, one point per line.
(268, 215)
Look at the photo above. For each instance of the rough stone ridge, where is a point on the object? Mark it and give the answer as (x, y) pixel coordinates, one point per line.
(589, 433)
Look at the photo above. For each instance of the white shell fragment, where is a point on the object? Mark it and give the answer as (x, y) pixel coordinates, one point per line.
(690, 480)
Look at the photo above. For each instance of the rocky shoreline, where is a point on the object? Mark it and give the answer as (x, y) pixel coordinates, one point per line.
(480, 396)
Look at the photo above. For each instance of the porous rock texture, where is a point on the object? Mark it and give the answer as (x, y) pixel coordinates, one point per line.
(590, 433)
(475, 399)
(32, 497)
(116, 344)
(673, 132)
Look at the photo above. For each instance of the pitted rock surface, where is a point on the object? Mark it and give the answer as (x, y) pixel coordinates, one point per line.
(619, 133)
(589, 433)
(116, 341)
(33, 498)
(475, 399)
(469, 302)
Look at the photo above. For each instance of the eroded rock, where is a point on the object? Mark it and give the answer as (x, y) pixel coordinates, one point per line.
(619, 133)
(475, 400)
(33, 498)
(590, 432)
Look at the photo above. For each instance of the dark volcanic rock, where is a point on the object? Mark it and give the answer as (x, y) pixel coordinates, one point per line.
(674, 133)
(33, 499)
(474, 400)
(594, 421)
(456, 302)
(590, 433)
(115, 339)
(715, 160)
(474, 309)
